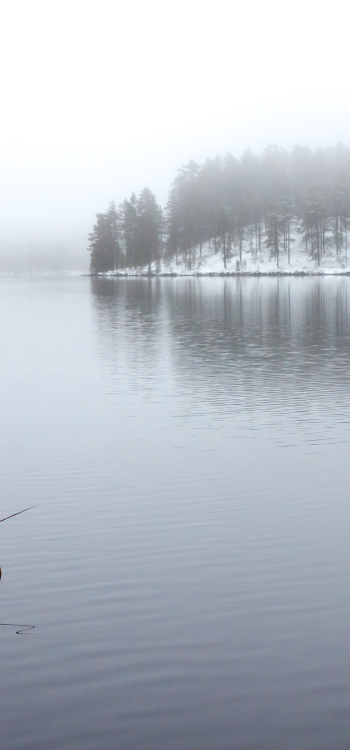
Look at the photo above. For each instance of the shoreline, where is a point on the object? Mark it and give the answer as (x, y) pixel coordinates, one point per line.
(207, 274)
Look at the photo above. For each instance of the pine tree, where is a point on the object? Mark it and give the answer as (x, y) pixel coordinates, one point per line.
(148, 229)
(127, 223)
(104, 246)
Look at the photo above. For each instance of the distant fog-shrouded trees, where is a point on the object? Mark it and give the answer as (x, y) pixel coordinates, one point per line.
(104, 244)
(255, 204)
(130, 237)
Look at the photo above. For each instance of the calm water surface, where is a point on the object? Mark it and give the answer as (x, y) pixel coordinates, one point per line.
(187, 567)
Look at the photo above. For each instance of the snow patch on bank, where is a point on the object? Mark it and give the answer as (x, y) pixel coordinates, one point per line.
(206, 261)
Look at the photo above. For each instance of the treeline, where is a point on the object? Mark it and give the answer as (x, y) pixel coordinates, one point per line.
(234, 205)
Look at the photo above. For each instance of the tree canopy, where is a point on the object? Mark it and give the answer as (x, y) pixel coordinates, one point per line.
(226, 201)
(129, 237)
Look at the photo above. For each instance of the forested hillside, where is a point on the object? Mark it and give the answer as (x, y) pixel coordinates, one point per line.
(264, 206)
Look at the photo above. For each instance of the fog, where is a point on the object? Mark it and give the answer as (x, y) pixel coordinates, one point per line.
(101, 99)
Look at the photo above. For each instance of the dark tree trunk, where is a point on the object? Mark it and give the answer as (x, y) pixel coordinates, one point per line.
(336, 237)
(275, 242)
(289, 241)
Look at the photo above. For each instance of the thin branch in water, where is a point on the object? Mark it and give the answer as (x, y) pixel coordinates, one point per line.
(24, 628)
(17, 514)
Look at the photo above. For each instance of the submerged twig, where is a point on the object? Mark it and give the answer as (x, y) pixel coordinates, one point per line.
(17, 514)
(24, 628)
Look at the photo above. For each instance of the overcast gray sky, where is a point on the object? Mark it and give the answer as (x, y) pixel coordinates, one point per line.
(102, 98)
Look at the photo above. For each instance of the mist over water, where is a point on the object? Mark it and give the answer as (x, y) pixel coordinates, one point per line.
(186, 570)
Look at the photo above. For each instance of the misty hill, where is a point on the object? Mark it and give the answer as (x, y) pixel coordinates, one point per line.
(282, 209)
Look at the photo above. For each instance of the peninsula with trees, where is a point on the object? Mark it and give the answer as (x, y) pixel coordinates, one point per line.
(280, 212)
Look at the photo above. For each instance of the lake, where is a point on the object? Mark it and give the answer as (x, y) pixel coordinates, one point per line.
(186, 441)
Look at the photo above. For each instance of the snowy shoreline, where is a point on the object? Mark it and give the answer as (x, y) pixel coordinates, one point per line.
(206, 262)
(199, 274)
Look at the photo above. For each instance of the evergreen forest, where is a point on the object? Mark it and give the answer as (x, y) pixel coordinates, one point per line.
(256, 204)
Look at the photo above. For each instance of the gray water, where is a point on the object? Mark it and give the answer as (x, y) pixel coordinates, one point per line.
(187, 567)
